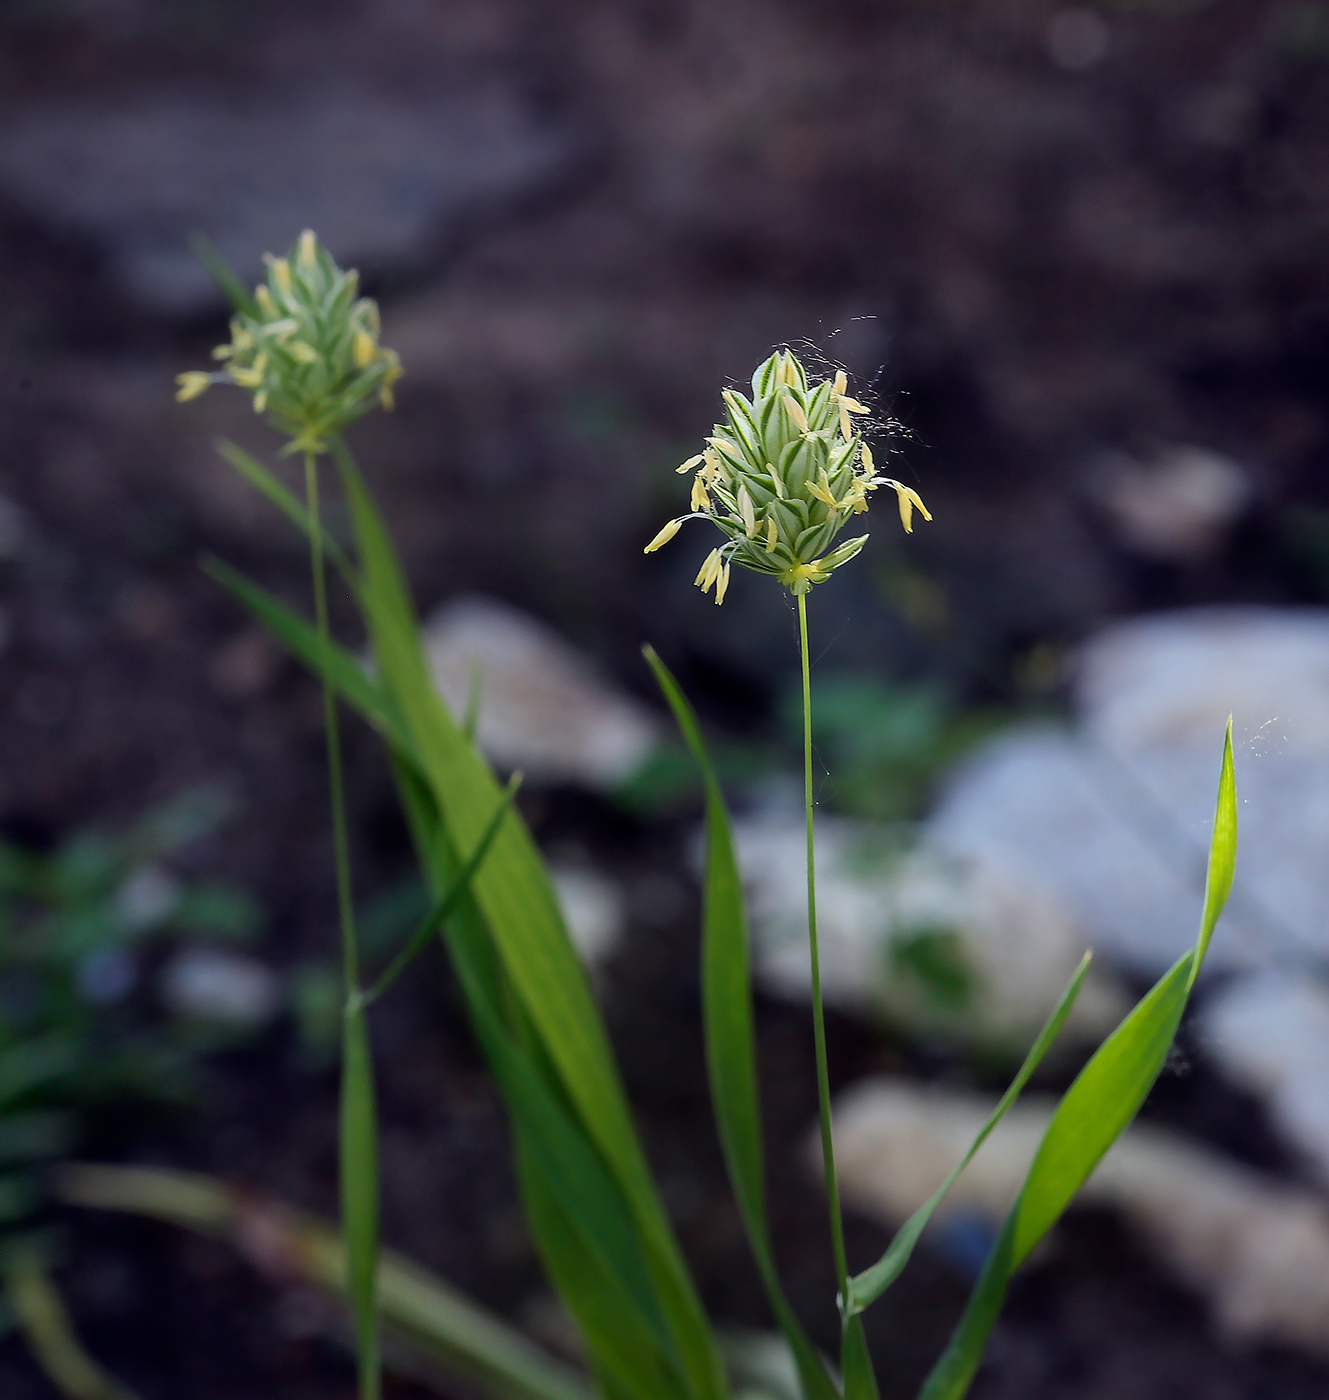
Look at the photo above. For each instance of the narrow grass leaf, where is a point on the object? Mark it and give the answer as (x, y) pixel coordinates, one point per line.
(866, 1287)
(360, 1191)
(301, 638)
(1093, 1113)
(231, 287)
(290, 505)
(855, 1363)
(436, 1319)
(586, 1232)
(447, 902)
(513, 889)
(49, 1331)
(730, 1041)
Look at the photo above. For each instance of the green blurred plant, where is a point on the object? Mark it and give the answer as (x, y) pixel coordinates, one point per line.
(884, 745)
(80, 1031)
(779, 479)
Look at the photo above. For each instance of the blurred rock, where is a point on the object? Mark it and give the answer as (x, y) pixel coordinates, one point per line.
(222, 987)
(1259, 1250)
(1116, 821)
(941, 945)
(1177, 506)
(592, 905)
(386, 179)
(1270, 1034)
(544, 708)
(1172, 679)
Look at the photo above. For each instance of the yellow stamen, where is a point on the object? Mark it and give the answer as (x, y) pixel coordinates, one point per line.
(192, 383)
(304, 353)
(908, 499)
(265, 302)
(281, 274)
(665, 535)
(700, 500)
(721, 585)
(822, 491)
(690, 463)
(307, 248)
(260, 401)
(709, 571)
(363, 348)
(771, 536)
(865, 452)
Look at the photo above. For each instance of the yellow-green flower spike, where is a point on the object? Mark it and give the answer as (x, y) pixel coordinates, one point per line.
(307, 350)
(782, 476)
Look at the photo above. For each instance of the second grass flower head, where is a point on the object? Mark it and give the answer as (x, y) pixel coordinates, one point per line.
(781, 477)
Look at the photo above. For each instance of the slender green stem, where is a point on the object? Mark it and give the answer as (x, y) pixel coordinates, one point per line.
(358, 1118)
(818, 1017)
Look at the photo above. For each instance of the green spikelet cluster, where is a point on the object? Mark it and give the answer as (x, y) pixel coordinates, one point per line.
(781, 478)
(307, 348)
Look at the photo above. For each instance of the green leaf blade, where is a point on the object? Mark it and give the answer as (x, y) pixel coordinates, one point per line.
(1093, 1112)
(868, 1286)
(730, 1037)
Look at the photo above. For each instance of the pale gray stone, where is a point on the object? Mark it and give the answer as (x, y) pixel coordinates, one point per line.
(385, 179)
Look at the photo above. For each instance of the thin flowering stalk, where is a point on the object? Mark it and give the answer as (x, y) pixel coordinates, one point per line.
(780, 478)
(358, 1118)
(818, 1014)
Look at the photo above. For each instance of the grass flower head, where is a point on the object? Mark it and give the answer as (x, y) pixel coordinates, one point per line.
(307, 348)
(782, 476)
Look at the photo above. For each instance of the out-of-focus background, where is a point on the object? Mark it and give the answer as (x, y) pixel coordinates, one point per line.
(1080, 252)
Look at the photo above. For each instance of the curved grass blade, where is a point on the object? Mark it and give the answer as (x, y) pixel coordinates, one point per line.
(334, 662)
(231, 287)
(290, 505)
(521, 913)
(855, 1363)
(436, 1319)
(730, 1041)
(49, 1332)
(588, 1238)
(444, 906)
(1093, 1112)
(358, 1149)
(868, 1286)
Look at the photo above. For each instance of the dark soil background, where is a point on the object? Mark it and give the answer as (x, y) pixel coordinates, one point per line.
(1031, 263)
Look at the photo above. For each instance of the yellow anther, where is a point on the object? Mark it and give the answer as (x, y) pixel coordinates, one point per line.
(908, 499)
(308, 249)
(700, 500)
(363, 348)
(303, 352)
(709, 571)
(192, 383)
(721, 585)
(690, 463)
(665, 535)
(265, 302)
(772, 534)
(281, 274)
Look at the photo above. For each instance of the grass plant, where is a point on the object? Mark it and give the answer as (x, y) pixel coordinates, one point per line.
(780, 478)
